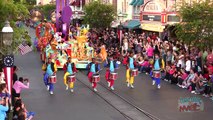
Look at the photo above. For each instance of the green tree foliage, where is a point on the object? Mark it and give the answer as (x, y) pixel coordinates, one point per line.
(14, 12)
(99, 15)
(46, 10)
(197, 24)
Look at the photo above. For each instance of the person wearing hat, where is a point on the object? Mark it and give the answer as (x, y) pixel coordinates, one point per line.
(158, 66)
(111, 66)
(93, 68)
(49, 69)
(69, 69)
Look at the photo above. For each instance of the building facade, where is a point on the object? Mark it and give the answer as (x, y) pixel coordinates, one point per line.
(156, 14)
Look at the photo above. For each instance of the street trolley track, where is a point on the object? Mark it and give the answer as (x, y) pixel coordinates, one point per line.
(149, 115)
(127, 117)
(152, 117)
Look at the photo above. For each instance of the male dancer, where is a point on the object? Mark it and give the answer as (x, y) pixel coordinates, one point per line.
(93, 68)
(69, 69)
(111, 66)
(158, 66)
(129, 67)
(50, 69)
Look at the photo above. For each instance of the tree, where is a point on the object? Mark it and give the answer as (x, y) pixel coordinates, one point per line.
(99, 15)
(47, 9)
(197, 24)
(13, 12)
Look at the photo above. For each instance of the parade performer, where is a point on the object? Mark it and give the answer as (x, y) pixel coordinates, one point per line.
(103, 53)
(111, 75)
(93, 76)
(69, 76)
(156, 73)
(130, 68)
(50, 74)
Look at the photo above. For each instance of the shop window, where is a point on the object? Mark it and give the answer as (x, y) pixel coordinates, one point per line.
(172, 18)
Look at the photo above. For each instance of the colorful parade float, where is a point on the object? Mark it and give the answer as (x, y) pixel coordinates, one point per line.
(58, 41)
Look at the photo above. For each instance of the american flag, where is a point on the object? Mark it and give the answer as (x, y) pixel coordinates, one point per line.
(24, 49)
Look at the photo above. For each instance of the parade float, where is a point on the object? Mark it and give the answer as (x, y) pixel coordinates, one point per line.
(57, 41)
(52, 45)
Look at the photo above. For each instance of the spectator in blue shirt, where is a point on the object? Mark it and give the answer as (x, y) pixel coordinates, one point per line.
(3, 108)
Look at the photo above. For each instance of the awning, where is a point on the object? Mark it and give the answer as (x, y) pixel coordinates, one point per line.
(131, 24)
(140, 2)
(132, 2)
(153, 27)
(135, 3)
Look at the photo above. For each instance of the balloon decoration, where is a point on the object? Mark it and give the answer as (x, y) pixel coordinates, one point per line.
(44, 33)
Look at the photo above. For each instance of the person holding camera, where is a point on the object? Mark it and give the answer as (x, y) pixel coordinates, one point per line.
(19, 85)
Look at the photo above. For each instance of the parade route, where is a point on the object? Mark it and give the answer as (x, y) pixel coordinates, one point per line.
(63, 105)
(162, 103)
(84, 104)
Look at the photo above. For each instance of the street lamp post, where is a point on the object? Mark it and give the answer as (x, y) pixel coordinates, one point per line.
(8, 60)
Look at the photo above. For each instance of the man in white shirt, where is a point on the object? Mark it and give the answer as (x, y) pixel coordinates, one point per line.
(188, 65)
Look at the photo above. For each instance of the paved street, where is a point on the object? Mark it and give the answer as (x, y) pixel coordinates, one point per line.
(161, 103)
(84, 104)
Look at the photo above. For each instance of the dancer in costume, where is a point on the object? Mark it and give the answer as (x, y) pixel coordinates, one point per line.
(50, 75)
(69, 76)
(111, 75)
(103, 53)
(156, 72)
(93, 76)
(129, 69)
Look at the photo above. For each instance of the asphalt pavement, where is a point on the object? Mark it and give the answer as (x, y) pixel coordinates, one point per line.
(83, 104)
(162, 103)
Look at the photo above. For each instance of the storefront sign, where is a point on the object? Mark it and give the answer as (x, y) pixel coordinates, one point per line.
(152, 17)
(153, 6)
(153, 27)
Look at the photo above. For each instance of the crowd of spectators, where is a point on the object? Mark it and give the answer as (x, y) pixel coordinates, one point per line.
(187, 66)
(8, 101)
